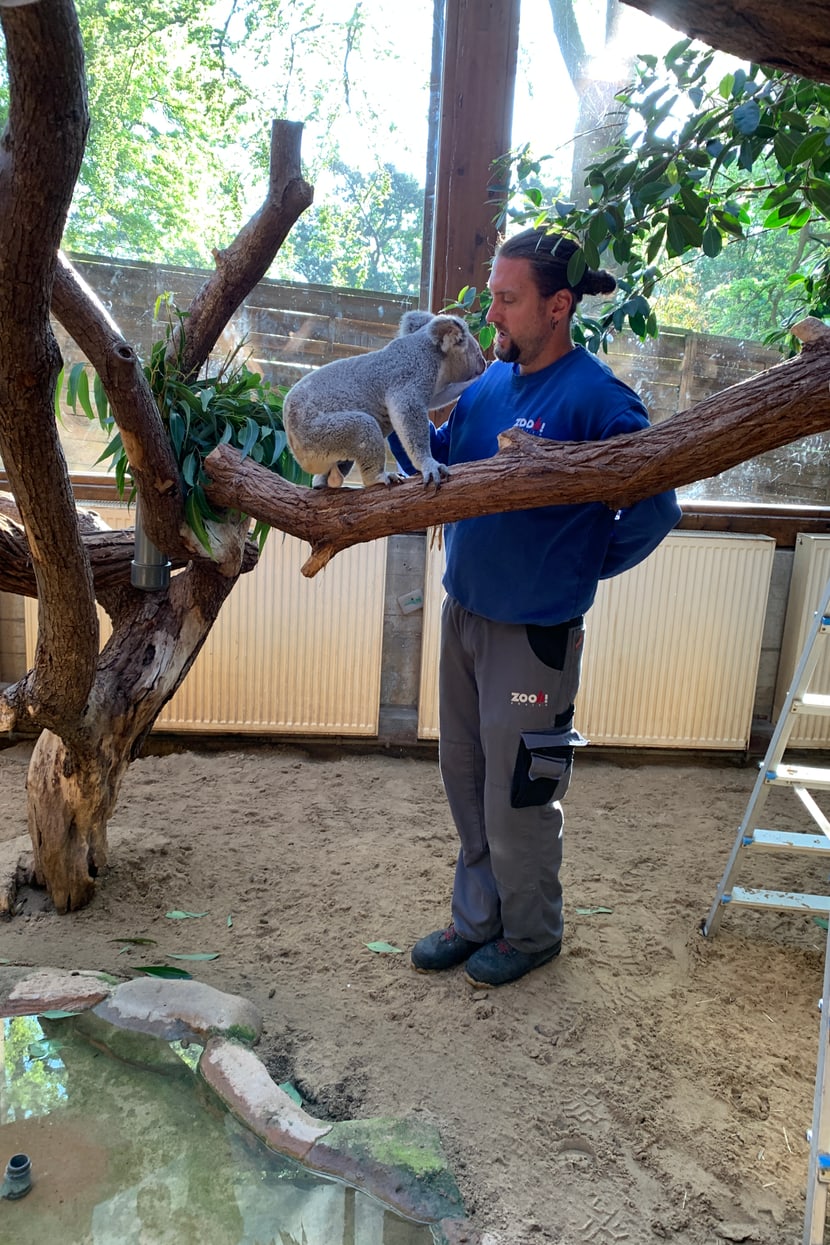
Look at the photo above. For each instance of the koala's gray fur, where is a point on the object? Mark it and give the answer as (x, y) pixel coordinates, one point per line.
(343, 412)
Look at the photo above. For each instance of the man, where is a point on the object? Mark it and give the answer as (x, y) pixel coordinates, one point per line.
(518, 585)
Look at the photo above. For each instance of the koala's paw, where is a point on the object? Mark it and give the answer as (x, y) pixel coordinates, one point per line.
(434, 472)
(387, 478)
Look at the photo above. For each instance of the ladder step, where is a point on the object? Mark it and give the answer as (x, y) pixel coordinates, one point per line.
(783, 840)
(798, 776)
(790, 901)
(811, 702)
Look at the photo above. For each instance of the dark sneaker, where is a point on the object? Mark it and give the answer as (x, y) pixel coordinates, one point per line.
(442, 949)
(497, 963)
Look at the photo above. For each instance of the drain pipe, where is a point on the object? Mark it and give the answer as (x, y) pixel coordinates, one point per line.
(18, 1180)
(150, 569)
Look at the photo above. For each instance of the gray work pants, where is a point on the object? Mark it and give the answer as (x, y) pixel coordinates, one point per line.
(506, 696)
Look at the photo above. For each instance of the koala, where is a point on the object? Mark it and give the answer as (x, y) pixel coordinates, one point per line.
(342, 412)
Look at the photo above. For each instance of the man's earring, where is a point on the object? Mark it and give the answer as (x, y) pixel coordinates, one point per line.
(553, 323)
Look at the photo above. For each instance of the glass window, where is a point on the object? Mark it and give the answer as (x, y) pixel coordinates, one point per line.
(715, 313)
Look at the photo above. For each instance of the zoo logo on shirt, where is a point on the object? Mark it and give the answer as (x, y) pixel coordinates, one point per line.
(529, 698)
(534, 426)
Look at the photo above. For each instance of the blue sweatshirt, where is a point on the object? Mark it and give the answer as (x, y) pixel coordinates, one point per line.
(542, 565)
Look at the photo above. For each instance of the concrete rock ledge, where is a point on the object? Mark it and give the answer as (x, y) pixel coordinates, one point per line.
(400, 1163)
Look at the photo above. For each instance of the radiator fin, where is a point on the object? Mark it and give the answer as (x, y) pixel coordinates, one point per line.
(287, 655)
(672, 647)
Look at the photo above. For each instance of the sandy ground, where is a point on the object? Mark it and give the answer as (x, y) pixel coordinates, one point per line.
(648, 1085)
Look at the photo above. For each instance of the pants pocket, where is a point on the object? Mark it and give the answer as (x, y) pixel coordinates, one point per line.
(543, 766)
(550, 644)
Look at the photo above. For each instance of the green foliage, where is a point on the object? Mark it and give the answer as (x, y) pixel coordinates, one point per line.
(702, 165)
(166, 110)
(234, 406)
(182, 94)
(366, 234)
(473, 305)
(743, 292)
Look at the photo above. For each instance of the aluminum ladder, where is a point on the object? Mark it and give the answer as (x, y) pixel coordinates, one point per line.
(775, 772)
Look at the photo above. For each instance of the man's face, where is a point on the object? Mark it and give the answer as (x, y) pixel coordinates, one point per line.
(521, 317)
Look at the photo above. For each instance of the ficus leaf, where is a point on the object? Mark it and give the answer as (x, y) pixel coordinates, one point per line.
(576, 266)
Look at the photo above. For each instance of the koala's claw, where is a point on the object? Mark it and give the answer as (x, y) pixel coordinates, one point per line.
(434, 472)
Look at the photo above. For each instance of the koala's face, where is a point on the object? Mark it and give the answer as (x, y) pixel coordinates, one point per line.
(463, 360)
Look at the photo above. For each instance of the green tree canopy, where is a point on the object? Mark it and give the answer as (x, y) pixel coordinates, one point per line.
(707, 161)
(366, 234)
(182, 95)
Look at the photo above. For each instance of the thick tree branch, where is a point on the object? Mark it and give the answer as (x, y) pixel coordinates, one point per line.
(239, 268)
(110, 554)
(245, 262)
(789, 401)
(40, 157)
(795, 37)
(150, 453)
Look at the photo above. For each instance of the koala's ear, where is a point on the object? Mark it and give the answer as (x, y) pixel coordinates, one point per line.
(414, 320)
(447, 332)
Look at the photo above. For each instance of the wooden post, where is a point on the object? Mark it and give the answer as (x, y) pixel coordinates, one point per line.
(481, 39)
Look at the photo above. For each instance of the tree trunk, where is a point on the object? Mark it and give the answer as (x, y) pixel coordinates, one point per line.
(73, 785)
(598, 120)
(93, 710)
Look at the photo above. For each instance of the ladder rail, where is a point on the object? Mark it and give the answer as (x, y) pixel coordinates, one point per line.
(768, 771)
(818, 1170)
(798, 778)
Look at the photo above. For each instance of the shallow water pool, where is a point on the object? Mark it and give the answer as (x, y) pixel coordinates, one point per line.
(124, 1154)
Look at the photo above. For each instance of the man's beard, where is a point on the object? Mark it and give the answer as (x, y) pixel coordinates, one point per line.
(508, 355)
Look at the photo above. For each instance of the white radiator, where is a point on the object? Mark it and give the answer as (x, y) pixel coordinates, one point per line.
(287, 655)
(672, 647)
(811, 571)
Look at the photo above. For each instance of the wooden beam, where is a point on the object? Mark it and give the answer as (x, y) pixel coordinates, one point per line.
(481, 40)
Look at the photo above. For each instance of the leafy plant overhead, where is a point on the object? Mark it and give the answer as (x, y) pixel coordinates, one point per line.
(705, 160)
(473, 305)
(234, 406)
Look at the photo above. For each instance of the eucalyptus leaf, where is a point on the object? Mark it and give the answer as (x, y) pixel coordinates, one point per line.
(195, 955)
(293, 1092)
(384, 948)
(178, 915)
(163, 970)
